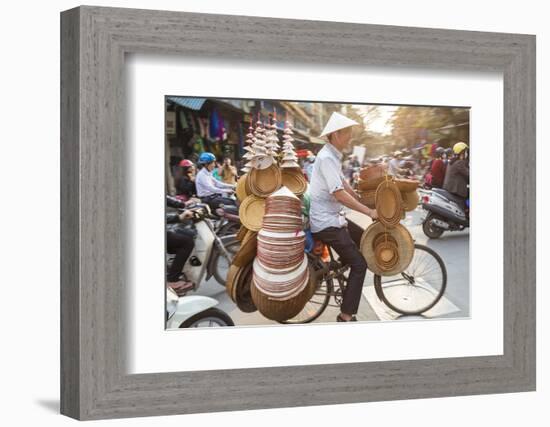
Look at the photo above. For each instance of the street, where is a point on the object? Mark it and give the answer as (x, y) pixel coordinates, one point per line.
(452, 247)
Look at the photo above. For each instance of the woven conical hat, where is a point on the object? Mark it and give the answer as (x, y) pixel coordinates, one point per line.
(294, 179)
(406, 185)
(388, 251)
(263, 182)
(290, 164)
(240, 189)
(247, 251)
(410, 200)
(230, 279)
(262, 162)
(251, 212)
(242, 290)
(389, 205)
(241, 233)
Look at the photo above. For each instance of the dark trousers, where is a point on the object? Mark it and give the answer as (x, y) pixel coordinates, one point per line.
(346, 241)
(182, 245)
(216, 200)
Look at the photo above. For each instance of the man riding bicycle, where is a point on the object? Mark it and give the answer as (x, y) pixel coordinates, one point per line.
(329, 193)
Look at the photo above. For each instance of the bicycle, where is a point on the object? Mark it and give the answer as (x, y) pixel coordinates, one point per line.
(412, 292)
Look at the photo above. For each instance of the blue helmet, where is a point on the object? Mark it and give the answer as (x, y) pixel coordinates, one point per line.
(206, 158)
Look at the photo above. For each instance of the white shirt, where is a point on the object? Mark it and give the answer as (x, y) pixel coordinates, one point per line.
(325, 211)
(394, 166)
(207, 185)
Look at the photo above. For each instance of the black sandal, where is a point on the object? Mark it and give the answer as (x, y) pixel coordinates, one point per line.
(339, 318)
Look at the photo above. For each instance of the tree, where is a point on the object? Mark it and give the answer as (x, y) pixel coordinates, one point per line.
(445, 125)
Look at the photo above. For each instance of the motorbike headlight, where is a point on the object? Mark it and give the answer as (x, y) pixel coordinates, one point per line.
(171, 302)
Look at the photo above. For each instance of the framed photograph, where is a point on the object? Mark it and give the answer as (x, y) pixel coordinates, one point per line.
(278, 213)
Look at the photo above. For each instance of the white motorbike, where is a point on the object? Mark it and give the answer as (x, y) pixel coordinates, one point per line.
(211, 257)
(194, 311)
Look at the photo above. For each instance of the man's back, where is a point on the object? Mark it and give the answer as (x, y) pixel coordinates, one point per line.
(457, 178)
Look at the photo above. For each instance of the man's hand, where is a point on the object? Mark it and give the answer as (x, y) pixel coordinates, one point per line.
(373, 214)
(186, 214)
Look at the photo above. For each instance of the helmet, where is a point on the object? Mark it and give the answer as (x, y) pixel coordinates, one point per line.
(439, 150)
(459, 147)
(206, 158)
(185, 163)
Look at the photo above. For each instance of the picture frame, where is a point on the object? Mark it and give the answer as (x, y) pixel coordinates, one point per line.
(94, 42)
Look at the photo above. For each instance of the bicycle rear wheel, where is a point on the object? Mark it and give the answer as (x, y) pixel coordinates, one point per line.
(418, 288)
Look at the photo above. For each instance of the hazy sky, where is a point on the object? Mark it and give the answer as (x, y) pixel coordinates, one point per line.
(378, 120)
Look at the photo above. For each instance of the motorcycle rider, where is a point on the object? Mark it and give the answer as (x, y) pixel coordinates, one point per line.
(181, 244)
(185, 184)
(457, 176)
(329, 193)
(394, 165)
(209, 189)
(438, 168)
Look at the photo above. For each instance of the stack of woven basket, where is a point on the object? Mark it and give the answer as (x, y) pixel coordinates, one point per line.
(387, 246)
(280, 271)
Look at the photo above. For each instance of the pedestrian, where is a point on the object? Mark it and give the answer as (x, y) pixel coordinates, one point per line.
(228, 172)
(209, 189)
(329, 193)
(308, 165)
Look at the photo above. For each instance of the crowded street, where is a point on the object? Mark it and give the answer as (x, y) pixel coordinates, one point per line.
(453, 248)
(283, 212)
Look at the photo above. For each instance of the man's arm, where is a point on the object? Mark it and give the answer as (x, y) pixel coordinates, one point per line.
(350, 190)
(350, 202)
(222, 185)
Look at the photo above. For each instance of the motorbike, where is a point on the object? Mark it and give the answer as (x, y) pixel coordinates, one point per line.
(211, 257)
(194, 311)
(445, 212)
(213, 253)
(225, 219)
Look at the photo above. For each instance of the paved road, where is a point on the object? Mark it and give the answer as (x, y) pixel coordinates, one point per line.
(452, 247)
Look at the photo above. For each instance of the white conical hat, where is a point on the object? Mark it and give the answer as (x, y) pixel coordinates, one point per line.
(336, 122)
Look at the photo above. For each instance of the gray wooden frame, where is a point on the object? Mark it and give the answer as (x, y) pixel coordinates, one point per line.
(94, 42)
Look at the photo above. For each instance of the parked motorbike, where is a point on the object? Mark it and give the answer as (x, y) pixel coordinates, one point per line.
(225, 219)
(445, 212)
(194, 312)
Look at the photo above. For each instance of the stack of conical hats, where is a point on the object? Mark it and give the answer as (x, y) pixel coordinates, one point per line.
(272, 139)
(263, 155)
(249, 154)
(289, 159)
(292, 175)
(280, 280)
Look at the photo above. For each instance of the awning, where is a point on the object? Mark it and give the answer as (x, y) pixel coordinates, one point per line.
(191, 103)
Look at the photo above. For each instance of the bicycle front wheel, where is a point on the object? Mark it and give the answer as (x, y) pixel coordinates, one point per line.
(316, 304)
(418, 288)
